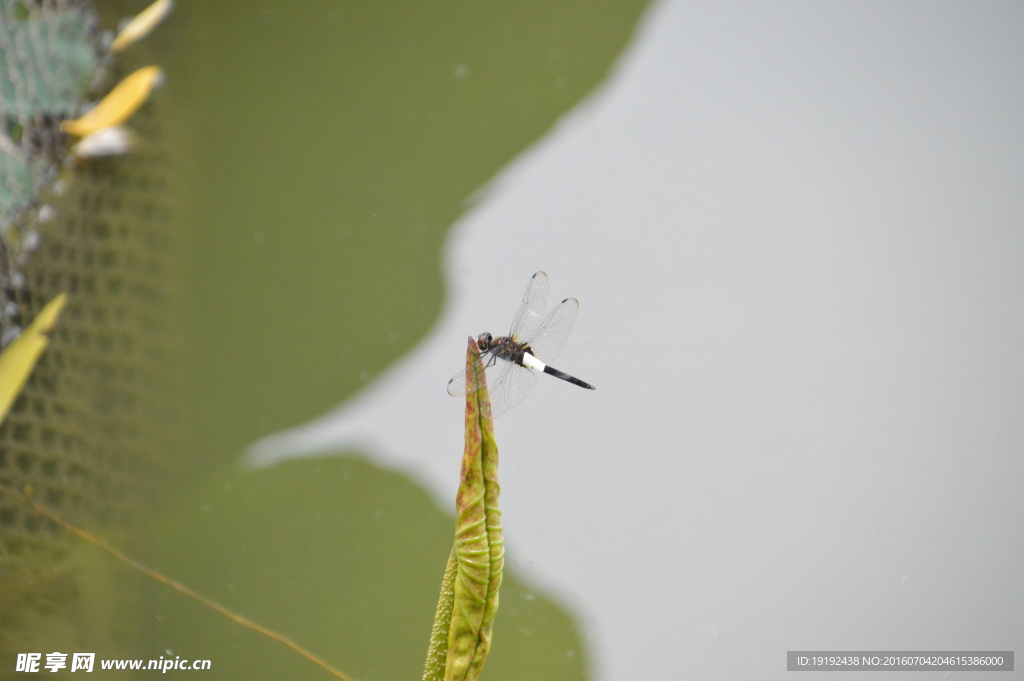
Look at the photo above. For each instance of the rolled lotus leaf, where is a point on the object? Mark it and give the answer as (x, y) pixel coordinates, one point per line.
(469, 594)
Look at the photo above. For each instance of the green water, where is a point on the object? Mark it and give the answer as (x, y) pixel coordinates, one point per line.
(345, 558)
(334, 146)
(325, 149)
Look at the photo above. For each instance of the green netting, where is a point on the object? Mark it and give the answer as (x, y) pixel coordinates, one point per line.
(93, 429)
(47, 54)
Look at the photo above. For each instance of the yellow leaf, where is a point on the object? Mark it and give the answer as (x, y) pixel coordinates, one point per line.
(139, 27)
(118, 106)
(20, 357)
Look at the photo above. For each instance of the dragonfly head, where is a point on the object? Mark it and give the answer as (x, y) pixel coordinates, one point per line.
(484, 341)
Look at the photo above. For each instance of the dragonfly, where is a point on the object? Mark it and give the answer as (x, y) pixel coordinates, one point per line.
(512, 362)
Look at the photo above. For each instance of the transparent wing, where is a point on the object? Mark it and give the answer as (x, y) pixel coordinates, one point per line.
(492, 366)
(532, 310)
(510, 388)
(549, 340)
(457, 386)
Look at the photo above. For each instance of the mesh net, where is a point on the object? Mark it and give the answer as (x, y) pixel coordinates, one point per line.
(93, 430)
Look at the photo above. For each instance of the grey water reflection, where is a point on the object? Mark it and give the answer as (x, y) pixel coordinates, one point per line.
(327, 149)
(794, 231)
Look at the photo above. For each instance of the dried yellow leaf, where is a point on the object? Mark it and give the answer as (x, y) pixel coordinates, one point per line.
(144, 22)
(20, 357)
(118, 106)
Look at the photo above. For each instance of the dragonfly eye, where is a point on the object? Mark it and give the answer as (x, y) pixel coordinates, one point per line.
(484, 341)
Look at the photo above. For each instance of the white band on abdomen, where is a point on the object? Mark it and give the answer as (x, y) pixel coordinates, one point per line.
(531, 362)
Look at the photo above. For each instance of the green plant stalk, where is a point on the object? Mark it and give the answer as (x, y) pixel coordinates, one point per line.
(469, 593)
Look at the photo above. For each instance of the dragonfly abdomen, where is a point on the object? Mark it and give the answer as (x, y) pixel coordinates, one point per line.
(531, 362)
(566, 377)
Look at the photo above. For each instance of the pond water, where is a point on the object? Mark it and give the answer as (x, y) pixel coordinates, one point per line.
(794, 234)
(326, 149)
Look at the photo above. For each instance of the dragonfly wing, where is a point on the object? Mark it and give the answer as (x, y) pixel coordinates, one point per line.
(511, 387)
(457, 386)
(549, 340)
(532, 310)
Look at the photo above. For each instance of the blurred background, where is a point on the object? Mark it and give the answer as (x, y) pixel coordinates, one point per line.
(796, 233)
